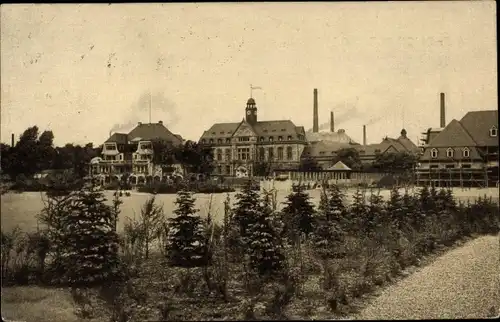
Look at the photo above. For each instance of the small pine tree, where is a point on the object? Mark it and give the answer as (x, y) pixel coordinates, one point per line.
(395, 210)
(328, 234)
(376, 216)
(89, 240)
(298, 215)
(247, 203)
(187, 236)
(357, 212)
(265, 253)
(409, 207)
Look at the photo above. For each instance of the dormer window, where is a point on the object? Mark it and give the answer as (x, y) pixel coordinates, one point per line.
(261, 139)
(203, 141)
(228, 140)
(222, 132)
(211, 141)
(434, 153)
(494, 131)
(466, 153)
(270, 139)
(449, 153)
(322, 153)
(289, 138)
(219, 141)
(280, 138)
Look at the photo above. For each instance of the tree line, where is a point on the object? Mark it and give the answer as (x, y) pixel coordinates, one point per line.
(35, 152)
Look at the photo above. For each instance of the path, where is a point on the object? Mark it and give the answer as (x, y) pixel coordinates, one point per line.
(463, 283)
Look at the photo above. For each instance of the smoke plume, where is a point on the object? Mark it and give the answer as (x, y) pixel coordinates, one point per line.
(162, 109)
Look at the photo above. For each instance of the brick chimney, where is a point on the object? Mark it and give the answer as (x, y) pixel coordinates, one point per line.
(315, 112)
(332, 124)
(442, 116)
(12, 140)
(160, 122)
(364, 134)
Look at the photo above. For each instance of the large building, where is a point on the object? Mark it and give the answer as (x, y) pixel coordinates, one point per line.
(132, 153)
(238, 147)
(464, 153)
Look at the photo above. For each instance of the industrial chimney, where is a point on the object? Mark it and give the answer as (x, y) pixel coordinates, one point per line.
(12, 140)
(364, 134)
(315, 112)
(332, 125)
(442, 116)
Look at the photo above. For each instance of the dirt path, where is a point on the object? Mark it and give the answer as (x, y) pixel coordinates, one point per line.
(463, 283)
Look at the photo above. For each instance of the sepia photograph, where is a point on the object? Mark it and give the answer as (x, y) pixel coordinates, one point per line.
(249, 161)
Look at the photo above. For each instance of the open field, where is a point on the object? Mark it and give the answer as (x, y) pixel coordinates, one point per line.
(21, 208)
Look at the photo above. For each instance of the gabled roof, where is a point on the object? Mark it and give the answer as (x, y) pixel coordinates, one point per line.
(453, 135)
(339, 166)
(478, 125)
(153, 131)
(120, 138)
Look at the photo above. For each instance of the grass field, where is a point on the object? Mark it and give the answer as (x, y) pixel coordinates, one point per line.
(20, 209)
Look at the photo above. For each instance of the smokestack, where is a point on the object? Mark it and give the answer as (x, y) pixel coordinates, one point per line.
(442, 115)
(12, 140)
(315, 112)
(364, 134)
(332, 125)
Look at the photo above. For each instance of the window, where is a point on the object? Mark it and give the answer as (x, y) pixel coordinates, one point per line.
(270, 139)
(110, 146)
(434, 153)
(211, 141)
(261, 139)
(280, 153)
(322, 152)
(219, 141)
(243, 139)
(221, 132)
(280, 138)
(450, 166)
(434, 166)
(228, 154)
(244, 153)
(289, 153)
(228, 140)
(203, 141)
(283, 130)
(228, 169)
(289, 138)
(270, 153)
(466, 166)
(219, 155)
(493, 131)
(449, 153)
(262, 154)
(466, 153)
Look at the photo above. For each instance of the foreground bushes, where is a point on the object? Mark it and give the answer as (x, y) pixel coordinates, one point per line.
(257, 262)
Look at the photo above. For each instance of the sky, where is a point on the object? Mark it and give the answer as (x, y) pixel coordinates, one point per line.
(84, 70)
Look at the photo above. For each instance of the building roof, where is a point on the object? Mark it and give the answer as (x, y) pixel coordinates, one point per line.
(324, 148)
(453, 135)
(340, 136)
(261, 128)
(120, 138)
(339, 166)
(146, 132)
(478, 125)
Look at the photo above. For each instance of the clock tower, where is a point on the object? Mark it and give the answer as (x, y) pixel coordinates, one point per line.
(251, 112)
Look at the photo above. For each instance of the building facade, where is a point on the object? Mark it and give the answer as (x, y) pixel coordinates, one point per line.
(464, 153)
(240, 147)
(132, 154)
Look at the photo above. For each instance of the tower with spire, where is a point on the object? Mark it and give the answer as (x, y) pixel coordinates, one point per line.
(251, 112)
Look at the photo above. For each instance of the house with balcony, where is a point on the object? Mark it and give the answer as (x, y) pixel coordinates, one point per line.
(240, 146)
(464, 153)
(131, 154)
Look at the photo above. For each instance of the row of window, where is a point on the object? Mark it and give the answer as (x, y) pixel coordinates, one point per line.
(450, 153)
(229, 132)
(247, 139)
(244, 154)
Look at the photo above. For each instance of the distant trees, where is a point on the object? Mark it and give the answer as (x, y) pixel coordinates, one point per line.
(35, 152)
(309, 164)
(194, 157)
(350, 157)
(395, 162)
